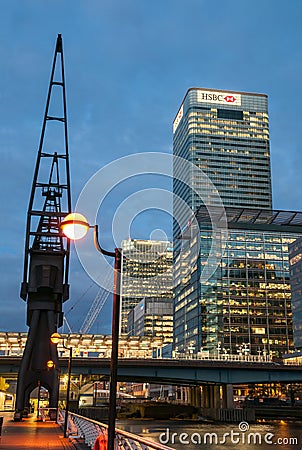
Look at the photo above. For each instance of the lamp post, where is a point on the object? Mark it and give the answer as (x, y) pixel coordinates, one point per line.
(218, 349)
(39, 396)
(75, 226)
(55, 339)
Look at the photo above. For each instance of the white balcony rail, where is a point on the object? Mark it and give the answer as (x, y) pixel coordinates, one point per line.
(224, 357)
(89, 430)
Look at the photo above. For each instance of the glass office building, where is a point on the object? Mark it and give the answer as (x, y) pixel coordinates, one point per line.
(152, 317)
(245, 305)
(295, 261)
(146, 273)
(226, 135)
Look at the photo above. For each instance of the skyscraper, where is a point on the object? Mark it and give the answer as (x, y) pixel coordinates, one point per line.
(245, 301)
(146, 273)
(226, 135)
(152, 317)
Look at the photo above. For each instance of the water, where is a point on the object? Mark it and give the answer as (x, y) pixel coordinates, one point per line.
(279, 433)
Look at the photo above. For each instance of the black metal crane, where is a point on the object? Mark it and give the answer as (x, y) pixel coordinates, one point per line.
(46, 261)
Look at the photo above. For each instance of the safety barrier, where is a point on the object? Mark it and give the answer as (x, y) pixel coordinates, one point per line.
(235, 415)
(94, 434)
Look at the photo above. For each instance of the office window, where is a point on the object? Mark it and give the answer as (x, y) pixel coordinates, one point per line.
(229, 114)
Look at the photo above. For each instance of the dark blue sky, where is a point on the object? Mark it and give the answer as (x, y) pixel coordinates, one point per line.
(128, 65)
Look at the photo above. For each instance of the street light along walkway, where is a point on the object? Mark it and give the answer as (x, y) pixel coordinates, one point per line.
(75, 226)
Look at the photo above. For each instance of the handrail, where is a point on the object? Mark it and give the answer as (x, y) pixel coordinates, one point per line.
(89, 429)
(42, 412)
(177, 356)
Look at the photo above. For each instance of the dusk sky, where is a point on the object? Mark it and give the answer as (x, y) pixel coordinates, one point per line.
(128, 65)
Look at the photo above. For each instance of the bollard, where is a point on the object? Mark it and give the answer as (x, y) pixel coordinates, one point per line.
(100, 443)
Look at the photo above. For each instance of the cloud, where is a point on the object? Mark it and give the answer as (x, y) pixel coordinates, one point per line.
(128, 65)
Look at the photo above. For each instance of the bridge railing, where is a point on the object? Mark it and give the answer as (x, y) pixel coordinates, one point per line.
(89, 430)
(176, 355)
(224, 357)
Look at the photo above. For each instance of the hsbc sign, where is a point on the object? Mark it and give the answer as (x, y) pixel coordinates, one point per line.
(178, 118)
(224, 98)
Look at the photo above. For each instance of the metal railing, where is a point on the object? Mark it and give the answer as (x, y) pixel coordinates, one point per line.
(43, 413)
(89, 430)
(178, 356)
(225, 357)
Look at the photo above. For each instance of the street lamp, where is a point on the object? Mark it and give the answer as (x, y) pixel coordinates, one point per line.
(218, 349)
(55, 339)
(191, 349)
(50, 364)
(75, 226)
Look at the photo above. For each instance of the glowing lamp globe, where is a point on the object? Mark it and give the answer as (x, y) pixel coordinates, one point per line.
(55, 338)
(75, 226)
(50, 364)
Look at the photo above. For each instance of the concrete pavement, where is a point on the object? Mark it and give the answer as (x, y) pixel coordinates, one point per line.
(31, 434)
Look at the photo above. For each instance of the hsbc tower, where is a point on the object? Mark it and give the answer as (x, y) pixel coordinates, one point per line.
(225, 134)
(231, 280)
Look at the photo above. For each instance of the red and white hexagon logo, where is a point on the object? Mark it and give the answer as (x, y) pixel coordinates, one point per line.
(230, 98)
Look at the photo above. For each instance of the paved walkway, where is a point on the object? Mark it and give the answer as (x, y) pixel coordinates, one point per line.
(32, 434)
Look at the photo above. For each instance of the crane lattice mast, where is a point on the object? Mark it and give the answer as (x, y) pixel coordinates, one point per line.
(98, 303)
(46, 259)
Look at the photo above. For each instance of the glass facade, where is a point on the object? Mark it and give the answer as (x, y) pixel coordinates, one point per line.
(245, 306)
(225, 134)
(295, 259)
(146, 273)
(152, 317)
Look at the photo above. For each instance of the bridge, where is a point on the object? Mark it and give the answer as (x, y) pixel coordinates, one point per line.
(184, 372)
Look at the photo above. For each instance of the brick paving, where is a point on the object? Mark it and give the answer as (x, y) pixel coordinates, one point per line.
(34, 435)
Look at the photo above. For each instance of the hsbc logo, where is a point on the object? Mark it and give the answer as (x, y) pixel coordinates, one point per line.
(230, 98)
(218, 97)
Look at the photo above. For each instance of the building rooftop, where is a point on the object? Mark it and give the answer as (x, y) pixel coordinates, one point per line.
(13, 343)
(225, 90)
(252, 218)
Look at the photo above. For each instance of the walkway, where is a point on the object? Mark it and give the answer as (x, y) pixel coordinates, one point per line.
(31, 434)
